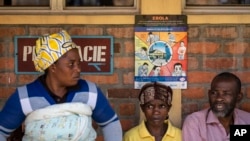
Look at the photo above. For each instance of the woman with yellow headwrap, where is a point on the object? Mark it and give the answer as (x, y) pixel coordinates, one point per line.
(59, 105)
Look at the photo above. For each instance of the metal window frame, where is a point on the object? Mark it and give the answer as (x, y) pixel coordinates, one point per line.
(58, 7)
(214, 10)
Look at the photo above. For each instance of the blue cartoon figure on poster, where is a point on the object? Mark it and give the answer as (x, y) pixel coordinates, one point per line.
(142, 53)
(143, 69)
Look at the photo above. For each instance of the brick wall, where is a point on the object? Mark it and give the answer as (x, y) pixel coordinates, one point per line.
(211, 49)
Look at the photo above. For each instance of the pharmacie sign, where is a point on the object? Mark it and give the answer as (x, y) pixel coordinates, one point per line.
(96, 54)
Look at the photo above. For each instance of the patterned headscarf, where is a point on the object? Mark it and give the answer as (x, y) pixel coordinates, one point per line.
(151, 91)
(49, 48)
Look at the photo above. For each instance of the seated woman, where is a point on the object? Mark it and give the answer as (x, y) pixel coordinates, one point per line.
(155, 101)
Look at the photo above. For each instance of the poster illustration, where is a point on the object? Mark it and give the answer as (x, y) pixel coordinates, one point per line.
(161, 50)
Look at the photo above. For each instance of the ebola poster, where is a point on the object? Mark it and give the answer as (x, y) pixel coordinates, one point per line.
(161, 50)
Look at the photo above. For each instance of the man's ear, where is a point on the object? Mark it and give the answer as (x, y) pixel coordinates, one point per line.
(239, 97)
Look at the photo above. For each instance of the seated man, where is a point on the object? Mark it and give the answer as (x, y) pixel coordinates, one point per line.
(213, 123)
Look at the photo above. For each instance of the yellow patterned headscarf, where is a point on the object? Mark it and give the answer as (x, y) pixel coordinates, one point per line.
(49, 48)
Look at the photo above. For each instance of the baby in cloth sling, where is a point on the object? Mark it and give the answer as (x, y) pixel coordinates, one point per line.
(60, 122)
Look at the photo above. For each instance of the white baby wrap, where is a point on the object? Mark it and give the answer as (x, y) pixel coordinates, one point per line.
(60, 122)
